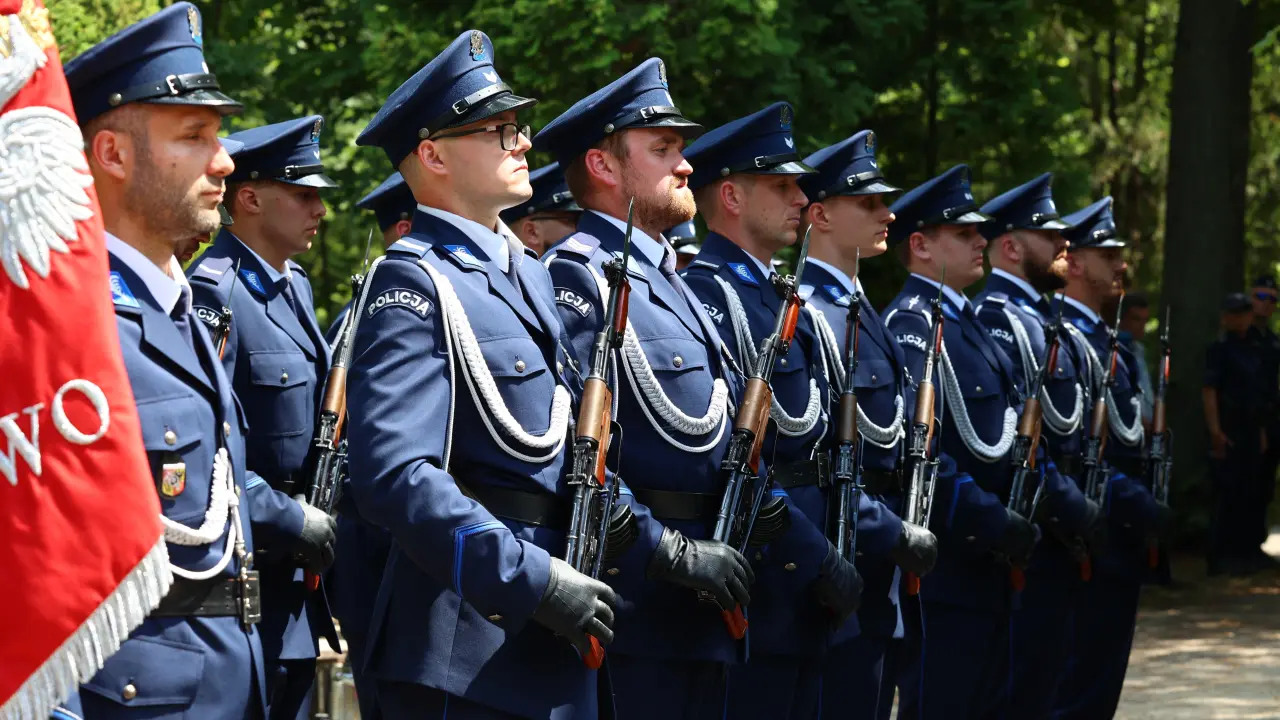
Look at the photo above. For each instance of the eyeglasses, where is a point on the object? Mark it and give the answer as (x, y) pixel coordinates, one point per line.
(1265, 297)
(508, 134)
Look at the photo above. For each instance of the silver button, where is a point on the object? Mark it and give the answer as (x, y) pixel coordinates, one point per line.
(873, 378)
(170, 437)
(789, 567)
(495, 617)
(978, 388)
(759, 556)
(559, 366)
(677, 361)
(971, 539)
(613, 571)
(519, 366)
(129, 692)
(284, 377)
(226, 429)
(784, 362)
(857, 553)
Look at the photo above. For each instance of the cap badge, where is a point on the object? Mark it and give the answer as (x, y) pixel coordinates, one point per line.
(790, 143)
(871, 142)
(662, 73)
(491, 76)
(477, 46)
(193, 24)
(315, 130)
(785, 117)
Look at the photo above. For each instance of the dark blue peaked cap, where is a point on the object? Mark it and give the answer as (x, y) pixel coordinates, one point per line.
(286, 151)
(944, 200)
(157, 60)
(759, 144)
(1026, 207)
(390, 202)
(847, 168)
(1092, 227)
(684, 238)
(458, 87)
(639, 99)
(550, 194)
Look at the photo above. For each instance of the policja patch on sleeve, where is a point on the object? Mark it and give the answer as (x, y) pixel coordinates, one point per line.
(411, 300)
(207, 315)
(569, 298)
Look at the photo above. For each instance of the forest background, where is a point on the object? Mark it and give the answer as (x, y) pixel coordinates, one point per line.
(1173, 108)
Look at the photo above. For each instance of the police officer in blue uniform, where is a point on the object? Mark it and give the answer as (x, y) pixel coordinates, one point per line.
(674, 381)
(968, 597)
(849, 222)
(459, 402)
(1264, 298)
(392, 204)
(1106, 607)
(549, 216)
(1028, 257)
(277, 360)
(684, 238)
(745, 183)
(146, 93)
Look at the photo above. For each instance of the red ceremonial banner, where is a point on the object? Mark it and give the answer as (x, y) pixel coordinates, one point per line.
(81, 546)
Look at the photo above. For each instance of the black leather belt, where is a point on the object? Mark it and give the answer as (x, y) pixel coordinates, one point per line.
(1070, 466)
(1134, 467)
(217, 597)
(530, 508)
(803, 473)
(670, 505)
(882, 482)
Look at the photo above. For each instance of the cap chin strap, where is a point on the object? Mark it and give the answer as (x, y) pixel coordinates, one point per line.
(288, 172)
(459, 109)
(170, 86)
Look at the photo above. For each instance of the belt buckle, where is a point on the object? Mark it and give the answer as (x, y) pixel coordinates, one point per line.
(250, 597)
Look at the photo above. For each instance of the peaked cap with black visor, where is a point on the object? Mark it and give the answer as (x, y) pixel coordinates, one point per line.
(944, 200)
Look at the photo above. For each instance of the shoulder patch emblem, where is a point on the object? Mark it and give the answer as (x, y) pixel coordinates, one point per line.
(744, 273)
(253, 281)
(410, 300)
(914, 341)
(207, 315)
(120, 292)
(1001, 334)
(717, 315)
(571, 299)
(462, 254)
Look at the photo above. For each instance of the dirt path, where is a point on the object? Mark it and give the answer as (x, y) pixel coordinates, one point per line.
(1207, 651)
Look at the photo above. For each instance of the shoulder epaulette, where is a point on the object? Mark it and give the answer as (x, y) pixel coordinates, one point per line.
(580, 244)
(997, 299)
(529, 251)
(214, 271)
(805, 292)
(704, 264)
(407, 246)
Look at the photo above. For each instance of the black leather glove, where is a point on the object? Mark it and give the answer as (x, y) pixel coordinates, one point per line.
(1019, 540)
(576, 606)
(838, 587)
(917, 550)
(1095, 527)
(703, 565)
(314, 547)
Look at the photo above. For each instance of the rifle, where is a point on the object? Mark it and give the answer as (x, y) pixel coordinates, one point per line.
(743, 517)
(1095, 443)
(594, 534)
(847, 475)
(1024, 498)
(1160, 454)
(222, 326)
(330, 446)
(922, 466)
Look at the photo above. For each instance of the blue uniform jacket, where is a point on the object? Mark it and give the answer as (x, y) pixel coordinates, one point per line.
(200, 666)
(879, 382)
(331, 334)
(786, 617)
(999, 305)
(1130, 508)
(278, 366)
(656, 619)
(455, 607)
(968, 514)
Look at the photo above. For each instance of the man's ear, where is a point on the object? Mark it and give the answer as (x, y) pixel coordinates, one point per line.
(921, 248)
(402, 228)
(248, 199)
(1010, 248)
(604, 167)
(431, 159)
(733, 197)
(113, 153)
(528, 229)
(819, 217)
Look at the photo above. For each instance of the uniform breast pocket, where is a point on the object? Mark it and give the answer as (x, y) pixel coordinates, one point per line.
(280, 401)
(681, 368)
(791, 375)
(177, 433)
(520, 372)
(985, 402)
(877, 391)
(159, 674)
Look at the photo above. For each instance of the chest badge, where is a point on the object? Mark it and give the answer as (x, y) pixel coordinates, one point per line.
(173, 479)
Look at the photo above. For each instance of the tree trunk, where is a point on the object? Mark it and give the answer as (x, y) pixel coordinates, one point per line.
(1204, 215)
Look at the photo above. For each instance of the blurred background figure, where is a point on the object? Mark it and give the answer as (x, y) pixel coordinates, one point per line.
(548, 217)
(1267, 344)
(684, 238)
(1133, 331)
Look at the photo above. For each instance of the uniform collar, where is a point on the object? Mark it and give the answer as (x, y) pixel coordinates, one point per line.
(1093, 317)
(956, 297)
(653, 250)
(496, 243)
(765, 271)
(272, 274)
(1023, 285)
(850, 286)
(166, 289)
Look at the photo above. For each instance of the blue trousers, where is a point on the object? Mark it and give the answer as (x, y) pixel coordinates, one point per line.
(290, 685)
(645, 688)
(402, 701)
(857, 681)
(1041, 642)
(963, 671)
(774, 687)
(1106, 611)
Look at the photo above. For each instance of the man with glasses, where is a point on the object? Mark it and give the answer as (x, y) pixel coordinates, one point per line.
(549, 216)
(459, 395)
(277, 360)
(1268, 345)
